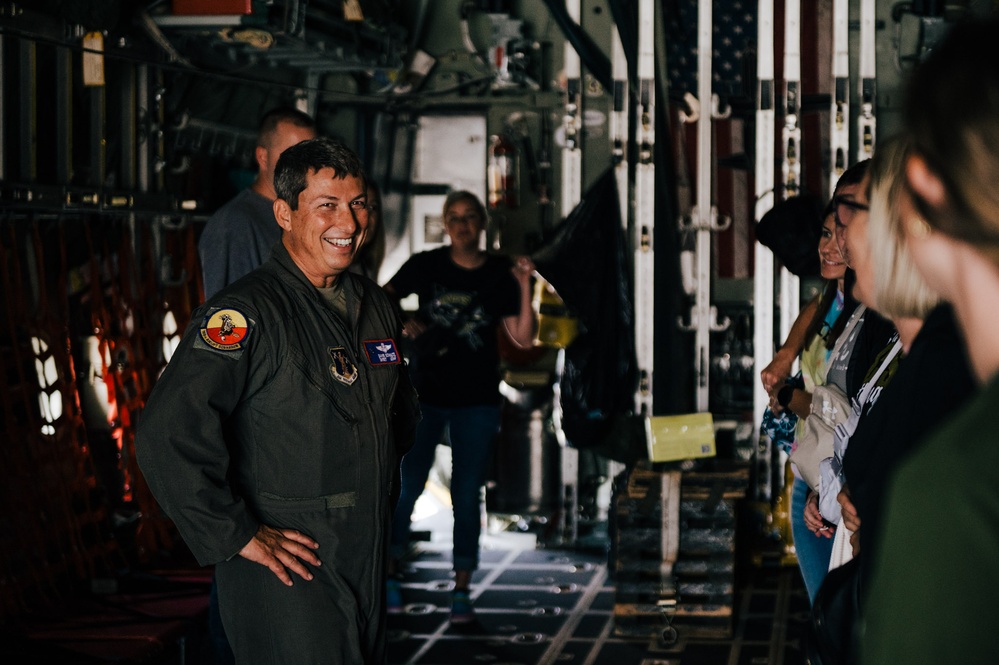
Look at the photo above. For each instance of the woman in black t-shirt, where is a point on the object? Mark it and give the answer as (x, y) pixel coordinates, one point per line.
(465, 295)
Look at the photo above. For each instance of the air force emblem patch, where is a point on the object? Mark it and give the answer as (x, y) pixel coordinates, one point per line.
(225, 330)
(382, 352)
(342, 369)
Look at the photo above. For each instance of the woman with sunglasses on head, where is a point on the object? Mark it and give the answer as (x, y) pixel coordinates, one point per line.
(812, 338)
(934, 582)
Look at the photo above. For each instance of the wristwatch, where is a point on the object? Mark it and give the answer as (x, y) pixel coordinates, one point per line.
(784, 395)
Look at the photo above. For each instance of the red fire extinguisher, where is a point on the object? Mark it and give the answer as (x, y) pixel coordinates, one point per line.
(504, 165)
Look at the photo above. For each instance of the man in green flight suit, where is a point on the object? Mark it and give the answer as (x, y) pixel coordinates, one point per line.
(274, 435)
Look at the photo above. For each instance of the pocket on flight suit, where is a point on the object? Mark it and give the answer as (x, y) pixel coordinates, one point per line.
(316, 455)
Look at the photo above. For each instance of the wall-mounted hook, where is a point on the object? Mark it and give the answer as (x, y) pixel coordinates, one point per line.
(687, 323)
(181, 122)
(691, 323)
(692, 112)
(719, 222)
(714, 324)
(717, 111)
(691, 222)
(183, 165)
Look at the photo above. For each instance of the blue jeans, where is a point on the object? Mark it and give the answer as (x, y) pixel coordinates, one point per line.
(813, 551)
(471, 433)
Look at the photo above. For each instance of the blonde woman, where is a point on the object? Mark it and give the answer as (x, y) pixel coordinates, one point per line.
(934, 377)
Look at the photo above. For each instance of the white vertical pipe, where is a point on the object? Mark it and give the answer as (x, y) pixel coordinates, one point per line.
(839, 133)
(866, 123)
(702, 317)
(763, 280)
(645, 208)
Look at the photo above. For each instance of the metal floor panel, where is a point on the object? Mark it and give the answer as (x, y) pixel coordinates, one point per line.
(548, 606)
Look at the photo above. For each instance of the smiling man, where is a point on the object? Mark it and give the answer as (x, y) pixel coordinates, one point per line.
(323, 212)
(275, 450)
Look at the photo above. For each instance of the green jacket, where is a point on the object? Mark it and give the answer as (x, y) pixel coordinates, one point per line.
(933, 589)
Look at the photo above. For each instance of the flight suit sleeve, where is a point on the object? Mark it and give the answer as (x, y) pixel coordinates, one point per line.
(181, 441)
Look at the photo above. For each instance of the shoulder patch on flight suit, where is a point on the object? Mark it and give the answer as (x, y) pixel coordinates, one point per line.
(342, 369)
(226, 330)
(382, 352)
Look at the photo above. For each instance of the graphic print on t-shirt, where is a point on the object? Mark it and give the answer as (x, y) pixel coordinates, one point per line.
(455, 310)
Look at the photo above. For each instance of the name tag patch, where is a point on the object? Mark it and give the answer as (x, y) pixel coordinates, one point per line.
(382, 352)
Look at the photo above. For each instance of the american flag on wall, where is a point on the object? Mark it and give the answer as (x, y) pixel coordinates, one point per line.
(733, 37)
(733, 47)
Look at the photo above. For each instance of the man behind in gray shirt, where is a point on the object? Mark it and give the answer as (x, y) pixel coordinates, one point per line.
(240, 235)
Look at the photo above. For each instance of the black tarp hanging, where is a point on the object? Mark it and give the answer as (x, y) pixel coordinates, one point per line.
(585, 260)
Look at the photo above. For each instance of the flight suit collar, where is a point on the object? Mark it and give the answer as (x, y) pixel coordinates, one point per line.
(294, 275)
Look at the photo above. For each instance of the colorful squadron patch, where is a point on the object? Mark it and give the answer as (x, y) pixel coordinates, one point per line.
(342, 369)
(225, 330)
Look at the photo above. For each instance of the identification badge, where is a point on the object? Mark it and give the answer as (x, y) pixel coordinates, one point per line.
(382, 352)
(225, 330)
(342, 369)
